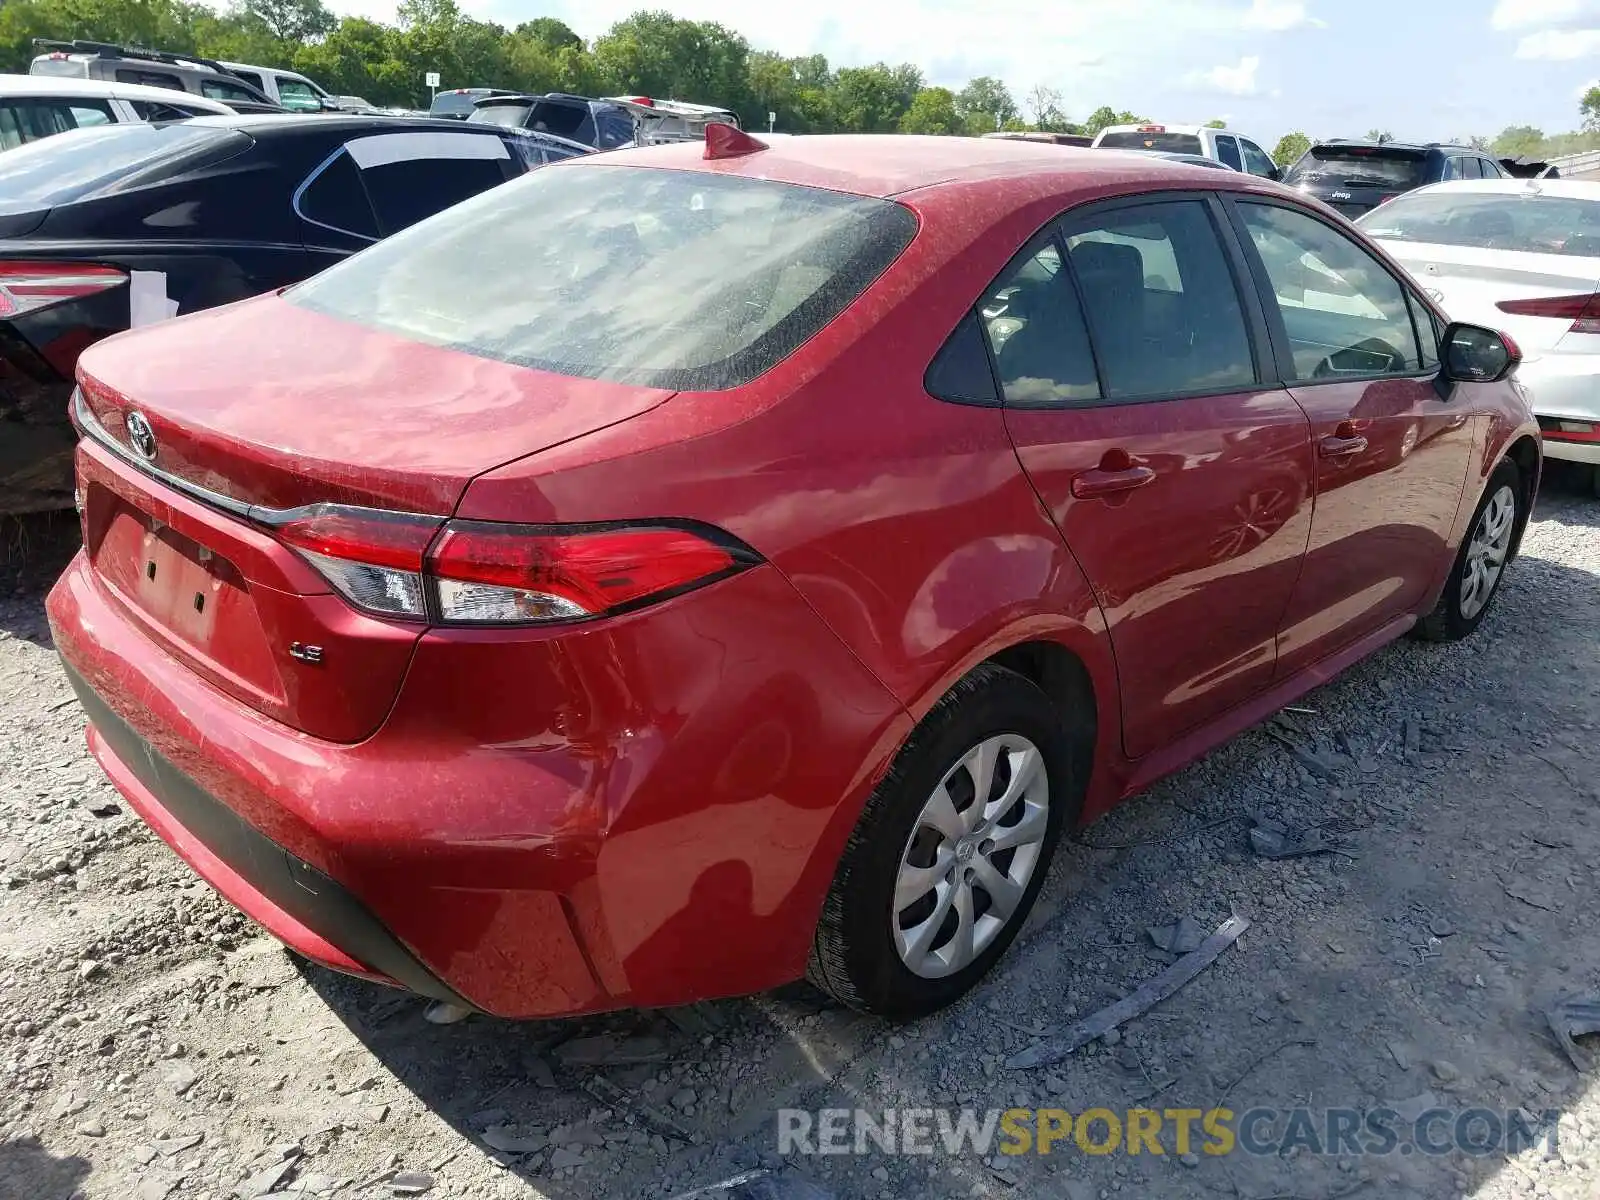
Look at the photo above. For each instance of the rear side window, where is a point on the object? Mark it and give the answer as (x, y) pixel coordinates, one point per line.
(158, 79)
(1131, 139)
(29, 120)
(1037, 334)
(219, 89)
(335, 199)
(1228, 152)
(1163, 312)
(616, 129)
(676, 279)
(409, 176)
(252, 79)
(151, 110)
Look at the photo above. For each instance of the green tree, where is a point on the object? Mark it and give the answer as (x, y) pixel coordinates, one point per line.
(1515, 141)
(873, 99)
(1216, 123)
(1589, 107)
(550, 33)
(1103, 116)
(933, 110)
(1290, 147)
(292, 21)
(985, 105)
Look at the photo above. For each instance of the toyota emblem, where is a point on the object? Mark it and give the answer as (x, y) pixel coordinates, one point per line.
(141, 437)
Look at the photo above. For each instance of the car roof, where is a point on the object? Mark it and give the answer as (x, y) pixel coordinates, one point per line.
(257, 124)
(1421, 147)
(265, 70)
(1572, 189)
(24, 86)
(885, 165)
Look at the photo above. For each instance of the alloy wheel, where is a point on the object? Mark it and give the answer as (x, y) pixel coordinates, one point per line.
(971, 854)
(1486, 553)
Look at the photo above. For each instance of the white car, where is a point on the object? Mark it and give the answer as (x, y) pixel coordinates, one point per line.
(36, 106)
(1219, 145)
(659, 122)
(1522, 256)
(289, 88)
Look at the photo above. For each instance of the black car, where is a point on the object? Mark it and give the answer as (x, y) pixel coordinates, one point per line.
(120, 225)
(603, 124)
(1357, 176)
(456, 103)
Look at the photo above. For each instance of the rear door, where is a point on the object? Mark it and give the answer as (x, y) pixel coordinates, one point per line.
(1137, 392)
(1391, 454)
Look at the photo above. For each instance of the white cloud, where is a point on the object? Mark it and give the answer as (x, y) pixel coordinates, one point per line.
(1538, 14)
(1278, 15)
(1560, 45)
(1235, 81)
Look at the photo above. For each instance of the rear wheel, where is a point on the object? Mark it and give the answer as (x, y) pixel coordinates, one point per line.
(1480, 564)
(950, 851)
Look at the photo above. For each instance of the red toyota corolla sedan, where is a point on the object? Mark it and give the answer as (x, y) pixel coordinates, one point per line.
(684, 570)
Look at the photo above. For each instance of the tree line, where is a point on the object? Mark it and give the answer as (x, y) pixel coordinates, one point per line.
(649, 53)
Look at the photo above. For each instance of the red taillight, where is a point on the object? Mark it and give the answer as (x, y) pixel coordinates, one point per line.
(27, 287)
(1386, 197)
(1583, 310)
(645, 101)
(479, 573)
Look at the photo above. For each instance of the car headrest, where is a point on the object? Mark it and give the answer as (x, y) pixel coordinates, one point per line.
(1108, 264)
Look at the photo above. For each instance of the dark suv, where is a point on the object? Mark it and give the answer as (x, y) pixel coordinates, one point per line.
(603, 124)
(1357, 176)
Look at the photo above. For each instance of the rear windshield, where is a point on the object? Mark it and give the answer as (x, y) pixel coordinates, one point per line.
(674, 279)
(78, 68)
(85, 163)
(511, 115)
(1132, 139)
(1530, 223)
(451, 104)
(1361, 167)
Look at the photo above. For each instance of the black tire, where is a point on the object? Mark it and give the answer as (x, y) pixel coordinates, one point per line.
(1448, 622)
(853, 956)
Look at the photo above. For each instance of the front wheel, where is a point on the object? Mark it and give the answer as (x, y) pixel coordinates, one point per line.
(950, 851)
(1475, 577)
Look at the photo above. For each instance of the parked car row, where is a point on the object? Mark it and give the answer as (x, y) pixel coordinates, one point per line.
(122, 225)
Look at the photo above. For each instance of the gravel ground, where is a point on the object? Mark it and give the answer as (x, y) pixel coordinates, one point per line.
(154, 1043)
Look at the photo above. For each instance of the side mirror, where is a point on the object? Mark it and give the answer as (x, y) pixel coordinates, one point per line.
(1277, 173)
(1473, 354)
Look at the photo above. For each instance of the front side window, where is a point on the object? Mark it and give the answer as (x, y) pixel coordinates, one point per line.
(676, 279)
(1163, 312)
(1256, 160)
(1344, 313)
(292, 93)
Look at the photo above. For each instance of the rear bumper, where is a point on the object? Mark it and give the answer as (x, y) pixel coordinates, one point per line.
(291, 899)
(1566, 388)
(643, 814)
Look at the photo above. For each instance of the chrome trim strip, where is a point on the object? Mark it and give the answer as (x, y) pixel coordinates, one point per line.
(93, 429)
(256, 514)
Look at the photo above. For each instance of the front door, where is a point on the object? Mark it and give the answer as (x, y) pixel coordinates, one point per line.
(1391, 452)
(1180, 482)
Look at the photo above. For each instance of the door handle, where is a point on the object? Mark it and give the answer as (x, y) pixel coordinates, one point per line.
(1334, 446)
(1103, 482)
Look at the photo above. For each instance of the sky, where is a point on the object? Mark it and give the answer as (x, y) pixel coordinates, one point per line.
(1422, 69)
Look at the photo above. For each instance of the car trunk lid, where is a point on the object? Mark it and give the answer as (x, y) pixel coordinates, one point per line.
(1471, 283)
(262, 407)
(1356, 179)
